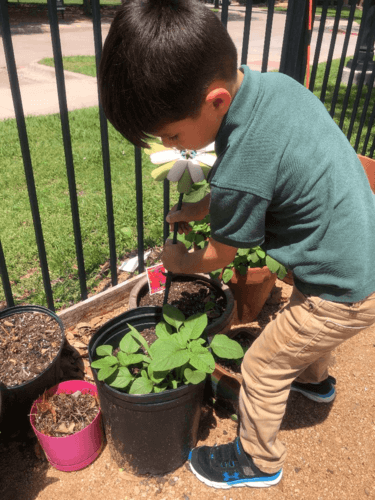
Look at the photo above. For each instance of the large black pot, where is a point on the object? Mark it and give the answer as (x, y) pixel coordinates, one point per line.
(16, 401)
(151, 433)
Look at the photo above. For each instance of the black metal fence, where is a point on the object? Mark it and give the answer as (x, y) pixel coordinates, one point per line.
(301, 21)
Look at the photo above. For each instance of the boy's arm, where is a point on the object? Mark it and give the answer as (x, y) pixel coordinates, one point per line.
(216, 255)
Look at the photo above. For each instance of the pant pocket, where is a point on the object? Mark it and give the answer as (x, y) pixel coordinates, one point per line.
(326, 338)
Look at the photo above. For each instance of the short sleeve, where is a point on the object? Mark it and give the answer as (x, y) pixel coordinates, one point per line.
(237, 218)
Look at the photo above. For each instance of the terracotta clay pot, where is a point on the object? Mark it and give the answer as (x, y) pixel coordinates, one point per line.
(225, 385)
(251, 291)
(289, 278)
(369, 166)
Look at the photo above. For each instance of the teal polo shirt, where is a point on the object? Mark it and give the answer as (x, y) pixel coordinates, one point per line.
(286, 178)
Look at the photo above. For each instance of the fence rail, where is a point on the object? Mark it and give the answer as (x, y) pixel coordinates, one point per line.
(294, 60)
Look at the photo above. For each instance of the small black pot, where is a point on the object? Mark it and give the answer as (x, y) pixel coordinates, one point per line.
(151, 433)
(16, 401)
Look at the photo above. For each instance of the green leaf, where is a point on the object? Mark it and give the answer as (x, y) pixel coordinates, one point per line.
(282, 272)
(104, 350)
(141, 385)
(173, 316)
(103, 362)
(183, 238)
(157, 377)
(203, 362)
(260, 252)
(160, 388)
(138, 337)
(123, 378)
(174, 384)
(127, 232)
(196, 325)
(182, 337)
(128, 344)
(242, 251)
(197, 347)
(106, 372)
(243, 270)
(129, 359)
(209, 305)
(167, 355)
(227, 275)
(226, 348)
(216, 274)
(194, 376)
(163, 330)
(254, 260)
(272, 264)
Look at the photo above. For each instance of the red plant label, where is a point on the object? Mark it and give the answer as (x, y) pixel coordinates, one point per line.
(157, 276)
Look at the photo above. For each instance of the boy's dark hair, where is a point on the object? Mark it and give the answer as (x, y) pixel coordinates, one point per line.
(159, 58)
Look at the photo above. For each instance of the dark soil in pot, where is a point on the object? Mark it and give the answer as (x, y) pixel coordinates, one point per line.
(63, 414)
(190, 297)
(29, 341)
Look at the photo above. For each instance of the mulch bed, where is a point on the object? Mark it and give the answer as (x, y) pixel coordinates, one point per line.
(29, 341)
(190, 297)
(62, 414)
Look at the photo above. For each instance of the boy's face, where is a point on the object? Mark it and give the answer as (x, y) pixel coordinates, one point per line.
(195, 133)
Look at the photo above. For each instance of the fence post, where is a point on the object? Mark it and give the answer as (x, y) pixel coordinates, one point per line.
(296, 40)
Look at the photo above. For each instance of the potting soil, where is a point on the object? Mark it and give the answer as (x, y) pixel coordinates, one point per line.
(62, 414)
(29, 341)
(190, 297)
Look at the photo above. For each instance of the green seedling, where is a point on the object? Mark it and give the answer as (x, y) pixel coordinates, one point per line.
(180, 355)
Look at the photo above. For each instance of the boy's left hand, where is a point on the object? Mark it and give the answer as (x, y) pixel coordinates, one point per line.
(172, 256)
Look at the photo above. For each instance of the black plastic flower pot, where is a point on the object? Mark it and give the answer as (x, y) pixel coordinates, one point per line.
(220, 325)
(151, 433)
(16, 401)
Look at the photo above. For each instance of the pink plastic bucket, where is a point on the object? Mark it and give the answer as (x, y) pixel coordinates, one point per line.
(78, 450)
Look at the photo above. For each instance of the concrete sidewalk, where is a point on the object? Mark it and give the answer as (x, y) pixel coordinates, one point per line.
(38, 85)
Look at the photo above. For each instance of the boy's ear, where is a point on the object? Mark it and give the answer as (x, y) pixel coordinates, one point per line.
(220, 98)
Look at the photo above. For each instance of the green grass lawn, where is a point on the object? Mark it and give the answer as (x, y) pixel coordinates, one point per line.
(78, 64)
(17, 235)
(86, 65)
(48, 161)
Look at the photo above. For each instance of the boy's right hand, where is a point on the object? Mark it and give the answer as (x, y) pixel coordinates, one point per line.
(189, 212)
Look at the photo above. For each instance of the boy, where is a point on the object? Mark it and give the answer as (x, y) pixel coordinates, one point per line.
(285, 178)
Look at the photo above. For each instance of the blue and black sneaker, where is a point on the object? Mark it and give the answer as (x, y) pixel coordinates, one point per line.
(324, 392)
(229, 465)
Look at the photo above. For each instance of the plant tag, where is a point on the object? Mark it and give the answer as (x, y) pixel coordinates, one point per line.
(157, 277)
(130, 265)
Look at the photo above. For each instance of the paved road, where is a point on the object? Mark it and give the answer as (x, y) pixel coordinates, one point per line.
(38, 85)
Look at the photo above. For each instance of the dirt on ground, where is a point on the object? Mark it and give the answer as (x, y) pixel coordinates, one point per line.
(330, 446)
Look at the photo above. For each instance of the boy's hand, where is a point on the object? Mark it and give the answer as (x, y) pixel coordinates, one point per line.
(172, 256)
(189, 212)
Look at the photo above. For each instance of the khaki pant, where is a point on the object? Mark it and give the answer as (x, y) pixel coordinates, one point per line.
(297, 344)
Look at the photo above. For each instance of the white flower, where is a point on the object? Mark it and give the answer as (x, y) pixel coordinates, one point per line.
(185, 167)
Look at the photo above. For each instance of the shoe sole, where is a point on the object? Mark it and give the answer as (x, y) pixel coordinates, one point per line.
(251, 483)
(316, 397)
